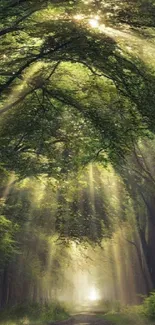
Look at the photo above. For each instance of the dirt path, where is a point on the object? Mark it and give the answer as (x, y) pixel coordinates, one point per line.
(84, 319)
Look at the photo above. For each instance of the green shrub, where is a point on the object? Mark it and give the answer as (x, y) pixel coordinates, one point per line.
(129, 315)
(28, 313)
(149, 306)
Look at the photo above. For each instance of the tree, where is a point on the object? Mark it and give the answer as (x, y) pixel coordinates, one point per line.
(74, 44)
(73, 91)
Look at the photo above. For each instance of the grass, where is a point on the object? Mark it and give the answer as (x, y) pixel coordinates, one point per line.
(126, 319)
(32, 314)
(129, 315)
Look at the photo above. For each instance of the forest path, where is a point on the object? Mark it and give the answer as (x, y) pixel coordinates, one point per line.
(83, 319)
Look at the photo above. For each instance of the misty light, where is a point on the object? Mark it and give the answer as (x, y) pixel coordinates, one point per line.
(78, 17)
(93, 294)
(94, 23)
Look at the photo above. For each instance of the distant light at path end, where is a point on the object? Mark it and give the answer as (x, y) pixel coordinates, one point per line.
(93, 295)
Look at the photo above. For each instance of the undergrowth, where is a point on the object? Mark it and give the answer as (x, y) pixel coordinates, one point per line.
(143, 314)
(32, 314)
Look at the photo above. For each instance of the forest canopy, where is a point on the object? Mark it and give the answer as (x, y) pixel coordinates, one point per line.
(77, 124)
(68, 62)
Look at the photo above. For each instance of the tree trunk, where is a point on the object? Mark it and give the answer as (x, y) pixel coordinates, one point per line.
(5, 288)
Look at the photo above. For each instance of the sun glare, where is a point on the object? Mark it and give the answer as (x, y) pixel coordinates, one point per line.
(94, 23)
(78, 17)
(93, 295)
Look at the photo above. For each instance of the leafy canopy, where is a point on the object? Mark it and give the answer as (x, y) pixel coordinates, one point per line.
(71, 89)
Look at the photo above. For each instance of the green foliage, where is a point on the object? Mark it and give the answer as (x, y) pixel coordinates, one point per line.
(149, 306)
(71, 94)
(125, 319)
(7, 239)
(33, 313)
(70, 91)
(127, 315)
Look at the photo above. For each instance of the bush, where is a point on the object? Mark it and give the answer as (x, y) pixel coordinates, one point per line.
(129, 315)
(27, 312)
(149, 306)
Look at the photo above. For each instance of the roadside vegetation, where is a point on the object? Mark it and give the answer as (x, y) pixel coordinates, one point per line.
(32, 314)
(127, 315)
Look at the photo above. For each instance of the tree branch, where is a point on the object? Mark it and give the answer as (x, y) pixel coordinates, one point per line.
(41, 55)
